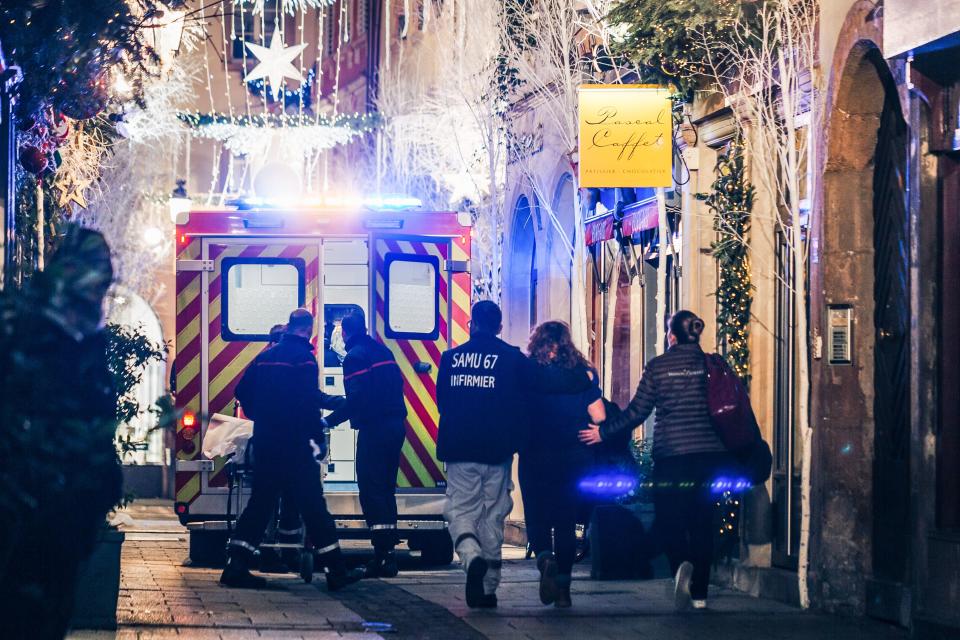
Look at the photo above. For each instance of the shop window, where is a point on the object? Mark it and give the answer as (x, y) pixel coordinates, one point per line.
(258, 293)
(412, 296)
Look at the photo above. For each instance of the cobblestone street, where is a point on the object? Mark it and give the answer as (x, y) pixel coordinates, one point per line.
(162, 598)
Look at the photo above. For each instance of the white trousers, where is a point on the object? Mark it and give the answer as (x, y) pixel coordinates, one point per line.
(478, 502)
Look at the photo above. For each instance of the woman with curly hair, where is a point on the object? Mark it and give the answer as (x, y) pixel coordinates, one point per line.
(554, 460)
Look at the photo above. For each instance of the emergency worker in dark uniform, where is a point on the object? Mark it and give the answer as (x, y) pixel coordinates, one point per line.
(375, 408)
(484, 387)
(289, 529)
(280, 392)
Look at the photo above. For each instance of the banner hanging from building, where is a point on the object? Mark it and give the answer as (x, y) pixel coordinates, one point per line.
(626, 136)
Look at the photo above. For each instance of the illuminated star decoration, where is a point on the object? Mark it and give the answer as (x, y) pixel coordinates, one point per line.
(275, 63)
(73, 192)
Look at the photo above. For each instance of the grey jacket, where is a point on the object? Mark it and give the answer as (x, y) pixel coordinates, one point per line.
(675, 384)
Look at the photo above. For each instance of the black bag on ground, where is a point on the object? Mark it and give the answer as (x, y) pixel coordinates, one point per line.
(620, 546)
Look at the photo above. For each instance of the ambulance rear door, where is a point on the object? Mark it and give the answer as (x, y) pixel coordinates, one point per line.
(420, 310)
(254, 284)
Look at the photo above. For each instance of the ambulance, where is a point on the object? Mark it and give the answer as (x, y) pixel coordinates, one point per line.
(243, 268)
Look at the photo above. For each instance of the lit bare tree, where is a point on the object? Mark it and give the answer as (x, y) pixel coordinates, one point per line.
(555, 46)
(130, 204)
(764, 69)
(443, 137)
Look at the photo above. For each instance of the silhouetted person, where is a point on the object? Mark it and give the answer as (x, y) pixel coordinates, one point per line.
(375, 408)
(280, 392)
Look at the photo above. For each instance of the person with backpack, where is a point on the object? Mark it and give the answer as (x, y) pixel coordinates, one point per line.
(688, 455)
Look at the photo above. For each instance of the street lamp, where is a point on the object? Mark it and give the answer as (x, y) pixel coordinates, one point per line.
(180, 203)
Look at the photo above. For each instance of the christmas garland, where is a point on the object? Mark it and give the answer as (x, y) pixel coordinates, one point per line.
(666, 38)
(358, 122)
(731, 201)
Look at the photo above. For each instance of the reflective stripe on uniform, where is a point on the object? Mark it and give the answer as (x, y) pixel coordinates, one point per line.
(290, 532)
(381, 527)
(383, 363)
(244, 545)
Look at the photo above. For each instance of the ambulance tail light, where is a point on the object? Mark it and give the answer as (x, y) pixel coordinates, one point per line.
(188, 431)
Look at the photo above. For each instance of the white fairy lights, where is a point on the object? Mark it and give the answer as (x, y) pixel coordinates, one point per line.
(297, 136)
(289, 7)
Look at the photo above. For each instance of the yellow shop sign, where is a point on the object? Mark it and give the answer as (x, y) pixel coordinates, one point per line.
(626, 136)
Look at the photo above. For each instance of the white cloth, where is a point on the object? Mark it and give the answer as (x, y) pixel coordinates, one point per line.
(478, 502)
(226, 435)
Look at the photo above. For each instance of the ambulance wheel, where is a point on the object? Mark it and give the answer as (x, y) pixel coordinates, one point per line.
(306, 566)
(436, 549)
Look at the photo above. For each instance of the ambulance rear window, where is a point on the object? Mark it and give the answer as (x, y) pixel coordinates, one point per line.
(258, 293)
(413, 296)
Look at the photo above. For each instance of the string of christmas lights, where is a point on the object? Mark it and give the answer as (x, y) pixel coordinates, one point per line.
(288, 6)
(731, 200)
(299, 135)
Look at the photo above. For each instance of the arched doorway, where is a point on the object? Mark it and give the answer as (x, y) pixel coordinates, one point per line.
(129, 309)
(520, 312)
(562, 236)
(862, 408)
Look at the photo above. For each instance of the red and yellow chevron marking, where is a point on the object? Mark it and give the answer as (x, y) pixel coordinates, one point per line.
(187, 365)
(462, 292)
(228, 359)
(418, 463)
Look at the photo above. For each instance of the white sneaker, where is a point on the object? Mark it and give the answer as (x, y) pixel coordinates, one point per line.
(681, 587)
(699, 604)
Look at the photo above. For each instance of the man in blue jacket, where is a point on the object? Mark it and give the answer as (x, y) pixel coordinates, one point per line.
(376, 409)
(482, 393)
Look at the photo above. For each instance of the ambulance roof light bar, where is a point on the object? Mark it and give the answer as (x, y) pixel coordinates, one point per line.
(387, 202)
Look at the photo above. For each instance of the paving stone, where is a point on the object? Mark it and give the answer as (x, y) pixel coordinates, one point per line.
(162, 597)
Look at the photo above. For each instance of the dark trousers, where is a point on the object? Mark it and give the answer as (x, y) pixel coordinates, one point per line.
(552, 504)
(295, 474)
(378, 462)
(685, 509)
(289, 527)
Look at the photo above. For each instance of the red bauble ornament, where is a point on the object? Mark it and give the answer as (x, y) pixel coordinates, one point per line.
(33, 159)
(59, 128)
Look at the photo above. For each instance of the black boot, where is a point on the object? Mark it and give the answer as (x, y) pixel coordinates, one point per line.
(337, 574)
(476, 571)
(383, 565)
(563, 593)
(237, 572)
(549, 589)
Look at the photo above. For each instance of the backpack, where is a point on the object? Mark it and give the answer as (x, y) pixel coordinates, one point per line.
(728, 404)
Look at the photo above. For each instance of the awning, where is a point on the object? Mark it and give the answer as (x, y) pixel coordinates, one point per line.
(637, 217)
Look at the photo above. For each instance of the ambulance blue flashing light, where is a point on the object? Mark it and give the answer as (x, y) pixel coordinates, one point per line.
(384, 203)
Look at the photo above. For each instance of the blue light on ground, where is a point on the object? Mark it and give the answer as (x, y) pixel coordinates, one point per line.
(609, 485)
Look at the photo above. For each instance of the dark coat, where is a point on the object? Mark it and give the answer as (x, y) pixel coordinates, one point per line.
(484, 389)
(675, 384)
(374, 387)
(280, 392)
